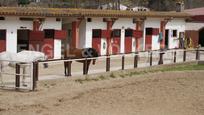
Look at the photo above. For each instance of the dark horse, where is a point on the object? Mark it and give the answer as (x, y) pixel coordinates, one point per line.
(77, 54)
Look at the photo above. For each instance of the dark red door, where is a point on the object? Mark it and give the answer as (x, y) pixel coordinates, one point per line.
(96, 44)
(36, 40)
(2, 45)
(36, 45)
(2, 40)
(128, 44)
(148, 42)
(116, 45)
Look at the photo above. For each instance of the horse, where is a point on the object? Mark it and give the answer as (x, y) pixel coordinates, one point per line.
(75, 53)
(11, 59)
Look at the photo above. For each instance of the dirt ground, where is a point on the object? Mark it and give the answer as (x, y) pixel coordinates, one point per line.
(169, 93)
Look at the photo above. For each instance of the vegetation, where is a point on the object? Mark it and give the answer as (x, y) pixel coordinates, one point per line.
(23, 2)
(164, 5)
(187, 67)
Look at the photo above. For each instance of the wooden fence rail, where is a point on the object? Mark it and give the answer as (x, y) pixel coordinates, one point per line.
(108, 61)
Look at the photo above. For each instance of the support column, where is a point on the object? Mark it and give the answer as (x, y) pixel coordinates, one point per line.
(109, 28)
(139, 28)
(162, 30)
(75, 35)
(36, 25)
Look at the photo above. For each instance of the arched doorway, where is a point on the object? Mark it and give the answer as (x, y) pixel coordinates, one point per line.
(201, 37)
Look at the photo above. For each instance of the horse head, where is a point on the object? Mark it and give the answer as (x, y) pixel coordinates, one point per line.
(90, 53)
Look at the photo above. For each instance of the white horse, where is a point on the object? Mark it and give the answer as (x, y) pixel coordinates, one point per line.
(23, 57)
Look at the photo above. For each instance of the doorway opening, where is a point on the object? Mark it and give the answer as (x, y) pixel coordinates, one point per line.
(201, 37)
(22, 39)
(166, 39)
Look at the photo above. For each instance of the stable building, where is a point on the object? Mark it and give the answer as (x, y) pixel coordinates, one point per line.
(51, 30)
(195, 26)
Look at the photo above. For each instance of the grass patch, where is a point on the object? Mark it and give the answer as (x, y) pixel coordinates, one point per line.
(102, 77)
(188, 67)
(122, 76)
(112, 75)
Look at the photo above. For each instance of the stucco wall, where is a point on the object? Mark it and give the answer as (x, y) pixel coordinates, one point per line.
(97, 23)
(175, 24)
(12, 24)
(82, 34)
(124, 23)
(152, 23)
(194, 26)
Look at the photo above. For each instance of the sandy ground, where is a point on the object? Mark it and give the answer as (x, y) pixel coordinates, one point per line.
(170, 93)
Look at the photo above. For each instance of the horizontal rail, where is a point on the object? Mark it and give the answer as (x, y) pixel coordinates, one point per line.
(14, 74)
(119, 55)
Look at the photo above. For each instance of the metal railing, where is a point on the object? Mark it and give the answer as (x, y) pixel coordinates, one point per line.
(7, 73)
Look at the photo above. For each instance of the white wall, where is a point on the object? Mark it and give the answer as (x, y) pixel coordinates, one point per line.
(194, 26)
(103, 44)
(57, 49)
(124, 23)
(51, 23)
(152, 23)
(97, 23)
(122, 41)
(82, 34)
(175, 24)
(155, 42)
(12, 24)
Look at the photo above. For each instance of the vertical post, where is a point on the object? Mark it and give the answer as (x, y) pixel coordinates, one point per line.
(75, 35)
(136, 60)
(197, 54)
(109, 26)
(107, 63)
(175, 57)
(184, 55)
(17, 76)
(35, 75)
(69, 68)
(162, 30)
(37, 71)
(150, 60)
(161, 58)
(85, 67)
(123, 62)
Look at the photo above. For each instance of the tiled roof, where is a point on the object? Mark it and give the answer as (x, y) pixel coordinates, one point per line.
(195, 11)
(66, 12)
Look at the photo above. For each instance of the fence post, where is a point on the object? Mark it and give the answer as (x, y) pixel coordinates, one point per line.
(136, 60)
(174, 56)
(69, 68)
(35, 75)
(150, 60)
(184, 55)
(197, 54)
(161, 58)
(123, 62)
(107, 63)
(17, 84)
(85, 67)
(37, 71)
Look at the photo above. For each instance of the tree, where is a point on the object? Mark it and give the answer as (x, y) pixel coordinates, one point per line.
(23, 2)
